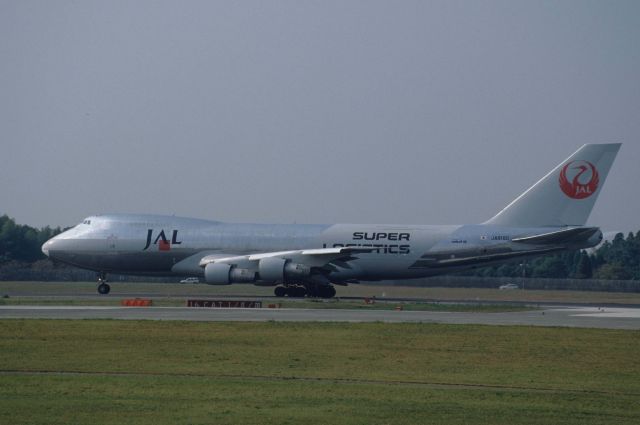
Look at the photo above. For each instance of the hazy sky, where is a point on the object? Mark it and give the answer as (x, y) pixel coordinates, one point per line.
(311, 112)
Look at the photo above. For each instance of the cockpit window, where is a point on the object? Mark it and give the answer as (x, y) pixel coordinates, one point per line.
(86, 222)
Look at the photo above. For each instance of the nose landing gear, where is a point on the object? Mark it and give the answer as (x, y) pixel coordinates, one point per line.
(103, 286)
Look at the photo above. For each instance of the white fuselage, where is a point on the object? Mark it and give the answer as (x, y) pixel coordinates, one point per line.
(167, 245)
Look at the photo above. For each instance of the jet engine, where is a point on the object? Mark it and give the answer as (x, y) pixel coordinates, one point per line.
(226, 274)
(279, 270)
(270, 270)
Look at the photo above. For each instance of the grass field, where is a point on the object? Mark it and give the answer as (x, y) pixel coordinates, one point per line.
(120, 372)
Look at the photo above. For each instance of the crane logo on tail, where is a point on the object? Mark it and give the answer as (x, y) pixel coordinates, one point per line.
(584, 179)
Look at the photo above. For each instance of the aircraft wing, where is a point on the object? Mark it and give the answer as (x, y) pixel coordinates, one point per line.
(311, 265)
(311, 257)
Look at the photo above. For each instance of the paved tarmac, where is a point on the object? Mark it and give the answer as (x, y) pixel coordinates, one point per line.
(587, 317)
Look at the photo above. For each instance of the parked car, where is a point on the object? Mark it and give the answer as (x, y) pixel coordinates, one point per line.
(190, 280)
(509, 286)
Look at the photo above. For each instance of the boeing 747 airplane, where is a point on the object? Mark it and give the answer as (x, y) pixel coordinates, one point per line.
(309, 259)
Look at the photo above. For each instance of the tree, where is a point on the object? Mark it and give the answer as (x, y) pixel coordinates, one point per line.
(612, 271)
(583, 268)
(551, 267)
(22, 243)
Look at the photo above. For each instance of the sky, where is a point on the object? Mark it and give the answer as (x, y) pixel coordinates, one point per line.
(422, 112)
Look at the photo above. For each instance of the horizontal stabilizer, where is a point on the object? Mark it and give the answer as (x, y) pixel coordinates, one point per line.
(574, 235)
(480, 259)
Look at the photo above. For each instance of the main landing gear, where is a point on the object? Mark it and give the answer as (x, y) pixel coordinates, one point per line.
(103, 286)
(300, 291)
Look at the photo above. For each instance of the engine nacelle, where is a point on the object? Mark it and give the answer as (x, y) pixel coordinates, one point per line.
(271, 269)
(226, 274)
(279, 270)
(293, 270)
(237, 275)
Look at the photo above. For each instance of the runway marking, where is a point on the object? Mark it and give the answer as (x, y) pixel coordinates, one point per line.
(605, 312)
(61, 307)
(458, 385)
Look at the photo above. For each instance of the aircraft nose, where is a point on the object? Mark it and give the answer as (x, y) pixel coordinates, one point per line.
(47, 246)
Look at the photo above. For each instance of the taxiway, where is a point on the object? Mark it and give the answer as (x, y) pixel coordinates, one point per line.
(588, 317)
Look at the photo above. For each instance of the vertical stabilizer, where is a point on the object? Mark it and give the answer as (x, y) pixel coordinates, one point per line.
(566, 195)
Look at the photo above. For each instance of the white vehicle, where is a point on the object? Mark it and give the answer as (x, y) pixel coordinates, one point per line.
(190, 280)
(509, 286)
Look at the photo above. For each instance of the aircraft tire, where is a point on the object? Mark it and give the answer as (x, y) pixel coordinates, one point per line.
(311, 291)
(280, 291)
(327, 291)
(297, 291)
(332, 291)
(104, 288)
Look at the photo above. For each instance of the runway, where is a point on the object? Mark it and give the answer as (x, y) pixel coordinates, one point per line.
(586, 317)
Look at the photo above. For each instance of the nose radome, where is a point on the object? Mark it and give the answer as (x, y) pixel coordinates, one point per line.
(46, 246)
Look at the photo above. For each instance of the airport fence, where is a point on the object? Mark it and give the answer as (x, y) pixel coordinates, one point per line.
(46, 271)
(453, 281)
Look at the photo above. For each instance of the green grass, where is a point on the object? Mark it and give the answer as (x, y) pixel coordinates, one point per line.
(236, 373)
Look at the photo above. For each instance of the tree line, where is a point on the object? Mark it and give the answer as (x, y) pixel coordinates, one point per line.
(22, 244)
(618, 259)
(21, 258)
